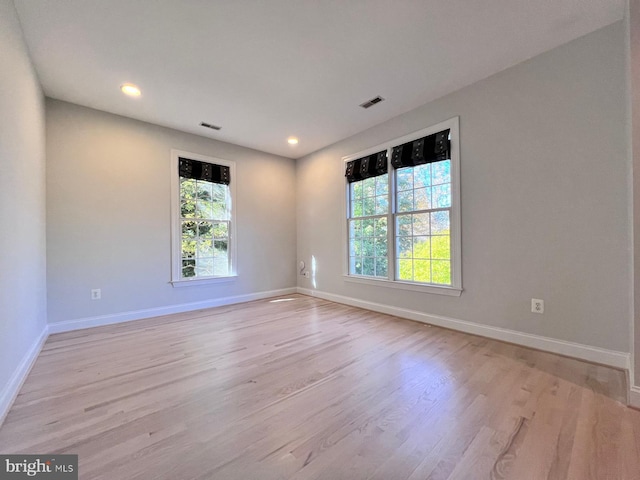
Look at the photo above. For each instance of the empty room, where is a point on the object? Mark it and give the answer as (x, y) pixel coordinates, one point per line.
(305, 239)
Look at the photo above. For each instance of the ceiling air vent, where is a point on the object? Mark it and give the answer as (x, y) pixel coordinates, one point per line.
(208, 125)
(372, 102)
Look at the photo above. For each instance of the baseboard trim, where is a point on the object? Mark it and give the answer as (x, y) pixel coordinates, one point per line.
(602, 356)
(101, 320)
(10, 391)
(634, 397)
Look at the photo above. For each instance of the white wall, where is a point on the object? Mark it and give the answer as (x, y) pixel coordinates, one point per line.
(22, 206)
(108, 214)
(544, 197)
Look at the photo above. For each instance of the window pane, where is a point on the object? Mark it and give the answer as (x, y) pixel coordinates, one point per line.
(357, 208)
(369, 206)
(403, 227)
(187, 189)
(219, 211)
(441, 272)
(380, 227)
(380, 247)
(369, 187)
(221, 247)
(405, 247)
(367, 227)
(440, 247)
(352, 264)
(358, 266)
(188, 208)
(381, 267)
(204, 190)
(355, 247)
(204, 209)
(205, 230)
(440, 223)
(382, 184)
(442, 196)
(221, 265)
(368, 267)
(441, 172)
(422, 271)
(219, 192)
(382, 205)
(189, 229)
(422, 198)
(221, 230)
(356, 190)
(367, 246)
(421, 247)
(421, 224)
(188, 268)
(204, 267)
(405, 270)
(205, 248)
(422, 175)
(355, 228)
(405, 201)
(188, 248)
(405, 178)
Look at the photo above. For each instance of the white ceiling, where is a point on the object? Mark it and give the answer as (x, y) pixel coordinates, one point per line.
(268, 69)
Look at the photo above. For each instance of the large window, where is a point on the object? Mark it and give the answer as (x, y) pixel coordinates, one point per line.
(203, 223)
(403, 212)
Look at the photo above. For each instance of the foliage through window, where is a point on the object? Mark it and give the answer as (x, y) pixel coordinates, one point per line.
(204, 220)
(403, 225)
(368, 226)
(423, 223)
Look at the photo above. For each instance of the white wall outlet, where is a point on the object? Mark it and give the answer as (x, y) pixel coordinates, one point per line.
(96, 294)
(537, 305)
(306, 274)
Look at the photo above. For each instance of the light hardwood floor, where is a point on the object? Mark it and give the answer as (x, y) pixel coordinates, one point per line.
(302, 388)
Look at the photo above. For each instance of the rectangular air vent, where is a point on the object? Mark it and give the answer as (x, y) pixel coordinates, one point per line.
(372, 102)
(208, 125)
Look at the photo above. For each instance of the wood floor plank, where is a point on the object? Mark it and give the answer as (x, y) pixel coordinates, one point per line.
(301, 388)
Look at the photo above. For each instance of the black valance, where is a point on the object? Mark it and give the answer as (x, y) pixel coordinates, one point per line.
(432, 148)
(204, 171)
(366, 167)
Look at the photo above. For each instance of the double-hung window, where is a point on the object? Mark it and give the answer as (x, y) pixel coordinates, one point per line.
(403, 212)
(203, 221)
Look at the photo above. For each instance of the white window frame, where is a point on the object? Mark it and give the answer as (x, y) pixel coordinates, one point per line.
(455, 289)
(176, 234)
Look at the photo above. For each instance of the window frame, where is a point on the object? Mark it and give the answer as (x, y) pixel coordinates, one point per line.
(455, 289)
(176, 235)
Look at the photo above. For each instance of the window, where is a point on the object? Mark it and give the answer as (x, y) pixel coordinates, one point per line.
(203, 223)
(403, 212)
(368, 243)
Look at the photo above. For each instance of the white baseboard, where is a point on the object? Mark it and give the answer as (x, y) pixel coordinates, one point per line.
(634, 397)
(602, 356)
(10, 391)
(80, 323)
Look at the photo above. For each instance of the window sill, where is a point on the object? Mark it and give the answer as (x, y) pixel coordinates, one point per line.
(435, 289)
(203, 281)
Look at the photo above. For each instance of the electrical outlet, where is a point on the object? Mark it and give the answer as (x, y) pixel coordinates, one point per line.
(537, 305)
(96, 294)
(306, 274)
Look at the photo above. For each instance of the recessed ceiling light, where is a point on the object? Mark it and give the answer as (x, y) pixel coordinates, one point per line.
(292, 141)
(131, 90)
